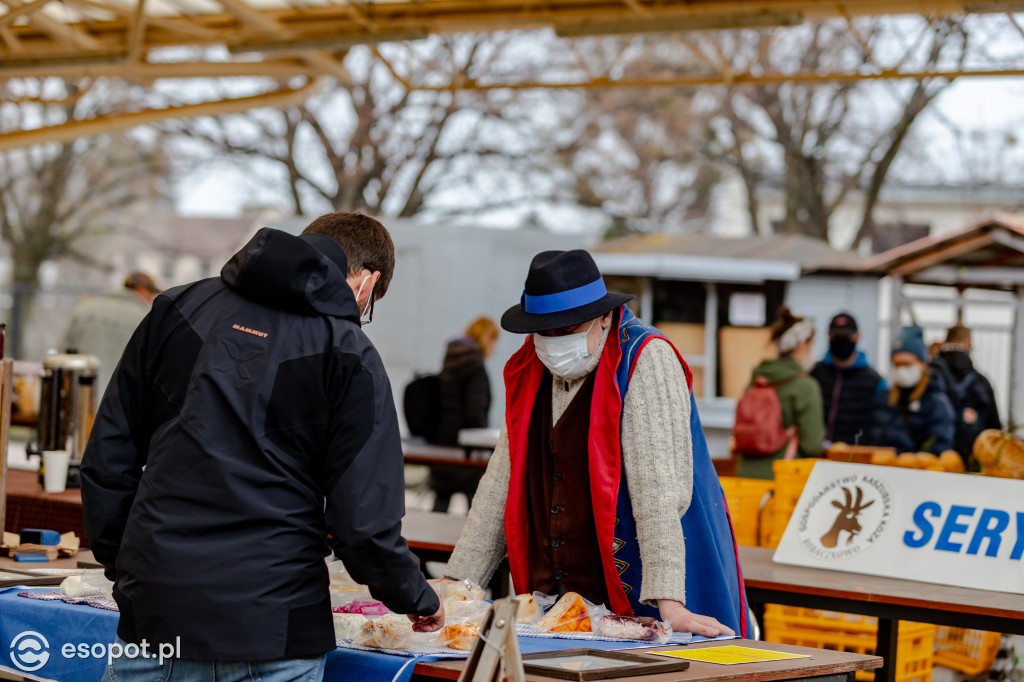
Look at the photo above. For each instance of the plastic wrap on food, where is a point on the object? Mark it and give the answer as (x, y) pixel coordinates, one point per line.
(370, 609)
(91, 582)
(347, 626)
(459, 589)
(391, 631)
(458, 635)
(571, 613)
(529, 610)
(457, 610)
(640, 628)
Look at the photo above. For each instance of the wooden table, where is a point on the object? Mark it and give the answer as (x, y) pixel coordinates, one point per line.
(432, 537)
(442, 456)
(28, 506)
(823, 666)
(888, 599)
(84, 559)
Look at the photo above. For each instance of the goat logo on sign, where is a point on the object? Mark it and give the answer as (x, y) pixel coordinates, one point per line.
(849, 511)
(844, 517)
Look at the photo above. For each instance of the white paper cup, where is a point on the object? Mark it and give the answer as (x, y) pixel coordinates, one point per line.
(55, 470)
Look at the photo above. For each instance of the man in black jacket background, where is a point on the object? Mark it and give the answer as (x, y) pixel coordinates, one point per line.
(248, 420)
(852, 392)
(974, 401)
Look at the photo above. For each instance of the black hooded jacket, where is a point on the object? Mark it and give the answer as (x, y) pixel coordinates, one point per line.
(249, 418)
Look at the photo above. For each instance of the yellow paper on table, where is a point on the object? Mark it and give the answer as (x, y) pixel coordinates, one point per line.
(729, 655)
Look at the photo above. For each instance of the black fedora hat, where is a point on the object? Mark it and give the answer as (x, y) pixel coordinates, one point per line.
(563, 289)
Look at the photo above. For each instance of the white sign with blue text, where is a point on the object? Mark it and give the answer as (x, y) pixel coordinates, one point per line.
(949, 529)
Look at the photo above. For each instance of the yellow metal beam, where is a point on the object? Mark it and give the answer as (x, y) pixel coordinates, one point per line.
(118, 122)
(368, 22)
(718, 79)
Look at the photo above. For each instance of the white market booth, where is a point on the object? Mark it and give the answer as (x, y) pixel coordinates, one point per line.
(982, 265)
(715, 297)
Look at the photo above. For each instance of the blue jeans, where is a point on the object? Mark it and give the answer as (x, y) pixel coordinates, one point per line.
(141, 669)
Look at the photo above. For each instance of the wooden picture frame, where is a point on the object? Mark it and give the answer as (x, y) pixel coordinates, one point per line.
(558, 664)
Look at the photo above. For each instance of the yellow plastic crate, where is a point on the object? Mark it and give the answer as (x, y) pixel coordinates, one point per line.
(746, 498)
(854, 633)
(969, 651)
(790, 479)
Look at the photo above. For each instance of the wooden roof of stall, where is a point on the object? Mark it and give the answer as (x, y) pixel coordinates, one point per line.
(297, 42)
(988, 253)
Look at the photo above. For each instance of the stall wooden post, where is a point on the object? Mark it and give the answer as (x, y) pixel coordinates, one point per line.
(495, 655)
(6, 375)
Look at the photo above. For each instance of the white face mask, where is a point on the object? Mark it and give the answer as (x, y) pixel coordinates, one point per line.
(907, 376)
(563, 355)
(368, 308)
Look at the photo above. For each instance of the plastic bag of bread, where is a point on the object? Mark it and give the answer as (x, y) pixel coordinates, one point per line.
(999, 454)
(641, 628)
(571, 613)
(386, 632)
(457, 610)
(529, 611)
(458, 589)
(458, 635)
(348, 626)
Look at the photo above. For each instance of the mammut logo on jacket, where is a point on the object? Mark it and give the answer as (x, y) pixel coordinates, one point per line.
(240, 328)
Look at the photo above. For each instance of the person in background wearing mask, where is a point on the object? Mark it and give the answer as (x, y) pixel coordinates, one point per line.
(971, 394)
(850, 387)
(799, 394)
(589, 477)
(465, 402)
(920, 418)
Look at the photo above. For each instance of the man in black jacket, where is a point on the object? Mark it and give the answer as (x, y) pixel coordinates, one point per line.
(851, 390)
(249, 426)
(974, 401)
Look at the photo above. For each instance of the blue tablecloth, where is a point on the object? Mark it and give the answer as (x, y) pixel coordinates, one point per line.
(83, 630)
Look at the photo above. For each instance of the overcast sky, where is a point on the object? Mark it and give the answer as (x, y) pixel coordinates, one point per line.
(972, 104)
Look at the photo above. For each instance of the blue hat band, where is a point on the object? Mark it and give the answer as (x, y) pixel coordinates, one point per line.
(564, 300)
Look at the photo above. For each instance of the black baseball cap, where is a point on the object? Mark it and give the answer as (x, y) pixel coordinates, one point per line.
(842, 324)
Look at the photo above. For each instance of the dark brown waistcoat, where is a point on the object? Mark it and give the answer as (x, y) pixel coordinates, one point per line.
(564, 553)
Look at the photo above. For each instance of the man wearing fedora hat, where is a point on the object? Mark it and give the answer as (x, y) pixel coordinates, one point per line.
(602, 469)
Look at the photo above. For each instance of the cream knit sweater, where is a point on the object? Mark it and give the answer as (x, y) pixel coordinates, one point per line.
(657, 455)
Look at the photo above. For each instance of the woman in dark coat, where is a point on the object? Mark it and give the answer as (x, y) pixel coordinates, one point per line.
(465, 402)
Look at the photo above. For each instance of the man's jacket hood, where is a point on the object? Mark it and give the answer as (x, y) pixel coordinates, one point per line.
(304, 275)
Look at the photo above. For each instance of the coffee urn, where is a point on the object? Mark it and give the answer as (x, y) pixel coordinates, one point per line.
(67, 406)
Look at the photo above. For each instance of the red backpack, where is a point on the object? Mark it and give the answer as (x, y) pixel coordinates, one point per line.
(758, 431)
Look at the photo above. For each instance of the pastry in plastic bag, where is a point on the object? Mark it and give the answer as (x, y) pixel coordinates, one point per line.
(569, 614)
(459, 589)
(386, 632)
(348, 625)
(458, 610)
(642, 628)
(999, 454)
(529, 611)
(459, 635)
